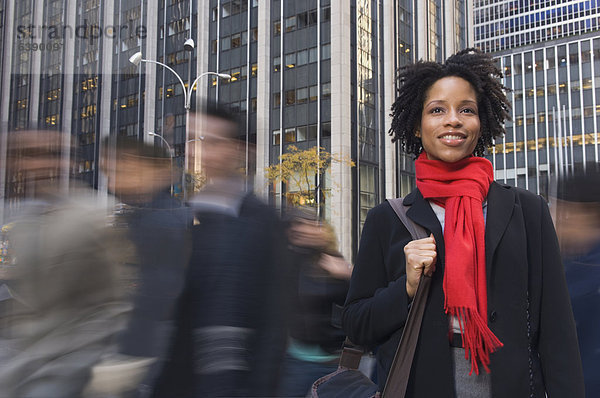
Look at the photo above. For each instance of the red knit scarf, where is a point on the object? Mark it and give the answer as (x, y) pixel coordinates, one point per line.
(461, 187)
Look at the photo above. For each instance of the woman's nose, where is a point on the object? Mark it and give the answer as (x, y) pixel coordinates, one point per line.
(453, 119)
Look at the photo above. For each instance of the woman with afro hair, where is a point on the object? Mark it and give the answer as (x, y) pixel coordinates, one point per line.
(498, 321)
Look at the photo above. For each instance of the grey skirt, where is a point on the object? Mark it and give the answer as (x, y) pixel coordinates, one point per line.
(465, 386)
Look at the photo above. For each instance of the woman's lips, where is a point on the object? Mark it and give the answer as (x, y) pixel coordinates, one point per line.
(452, 139)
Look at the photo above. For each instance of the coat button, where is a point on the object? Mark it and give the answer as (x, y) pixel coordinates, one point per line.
(493, 316)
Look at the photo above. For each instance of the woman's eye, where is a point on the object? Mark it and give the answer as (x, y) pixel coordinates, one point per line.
(469, 110)
(436, 110)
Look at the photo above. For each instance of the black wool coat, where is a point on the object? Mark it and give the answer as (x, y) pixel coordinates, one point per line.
(522, 259)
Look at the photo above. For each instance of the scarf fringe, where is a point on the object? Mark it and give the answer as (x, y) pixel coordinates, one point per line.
(478, 340)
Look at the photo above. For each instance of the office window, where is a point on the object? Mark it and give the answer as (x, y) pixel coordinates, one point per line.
(301, 133)
(518, 94)
(575, 86)
(276, 64)
(225, 43)
(225, 10)
(276, 137)
(312, 132)
(290, 24)
(326, 90)
(290, 135)
(586, 54)
(302, 57)
(302, 95)
(276, 100)
(313, 55)
(326, 129)
(302, 20)
(235, 74)
(236, 6)
(562, 88)
(313, 92)
(276, 28)
(290, 97)
(326, 51)
(290, 60)
(236, 40)
(326, 14)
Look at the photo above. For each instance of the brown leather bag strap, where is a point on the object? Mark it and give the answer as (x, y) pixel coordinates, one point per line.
(415, 230)
(351, 355)
(397, 380)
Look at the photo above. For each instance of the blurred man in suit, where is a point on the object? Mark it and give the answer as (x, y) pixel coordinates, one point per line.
(230, 337)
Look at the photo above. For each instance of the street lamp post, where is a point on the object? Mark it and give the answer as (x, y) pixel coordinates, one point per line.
(136, 59)
(153, 134)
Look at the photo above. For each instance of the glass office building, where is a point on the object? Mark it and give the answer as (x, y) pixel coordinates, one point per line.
(322, 73)
(549, 52)
(429, 30)
(304, 73)
(64, 67)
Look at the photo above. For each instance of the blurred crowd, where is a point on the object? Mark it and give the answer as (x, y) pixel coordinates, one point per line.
(578, 228)
(149, 295)
(214, 296)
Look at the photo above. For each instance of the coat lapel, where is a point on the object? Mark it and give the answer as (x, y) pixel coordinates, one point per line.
(421, 213)
(501, 203)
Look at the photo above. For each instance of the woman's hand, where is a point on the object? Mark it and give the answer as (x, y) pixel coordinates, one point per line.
(420, 257)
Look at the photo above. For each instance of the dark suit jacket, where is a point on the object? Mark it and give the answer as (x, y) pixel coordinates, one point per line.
(235, 281)
(160, 234)
(522, 256)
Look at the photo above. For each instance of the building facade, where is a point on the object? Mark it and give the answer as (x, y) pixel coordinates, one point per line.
(304, 73)
(429, 30)
(324, 73)
(549, 52)
(307, 74)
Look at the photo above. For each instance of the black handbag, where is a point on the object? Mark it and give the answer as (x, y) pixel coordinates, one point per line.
(347, 381)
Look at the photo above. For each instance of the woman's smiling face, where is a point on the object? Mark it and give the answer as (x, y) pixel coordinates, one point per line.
(450, 126)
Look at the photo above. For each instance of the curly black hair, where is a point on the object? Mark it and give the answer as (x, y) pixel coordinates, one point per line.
(470, 64)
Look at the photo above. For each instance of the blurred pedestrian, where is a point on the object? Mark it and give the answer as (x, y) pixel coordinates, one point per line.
(498, 320)
(139, 174)
(230, 334)
(578, 227)
(319, 282)
(64, 305)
